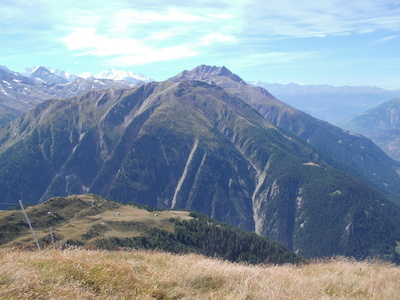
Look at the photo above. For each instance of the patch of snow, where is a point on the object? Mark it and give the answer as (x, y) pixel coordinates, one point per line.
(310, 163)
(299, 201)
(86, 75)
(30, 70)
(337, 192)
(39, 79)
(122, 75)
(347, 229)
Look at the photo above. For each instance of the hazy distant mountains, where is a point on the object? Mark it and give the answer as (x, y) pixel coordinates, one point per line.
(119, 75)
(50, 76)
(205, 140)
(45, 75)
(332, 104)
(329, 103)
(19, 93)
(381, 124)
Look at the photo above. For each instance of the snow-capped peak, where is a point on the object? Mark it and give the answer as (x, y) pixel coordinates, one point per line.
(85, 75)
(63, 74)
(122, 75)
(30, 70)
(112, 74)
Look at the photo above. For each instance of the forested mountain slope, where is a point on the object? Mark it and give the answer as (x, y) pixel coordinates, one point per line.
(192, 145)
(348, 151)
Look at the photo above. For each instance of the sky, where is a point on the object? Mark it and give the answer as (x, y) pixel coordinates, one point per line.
(335, 42)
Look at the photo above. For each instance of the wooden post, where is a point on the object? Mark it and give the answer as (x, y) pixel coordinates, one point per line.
(52, 238)
(30, 226)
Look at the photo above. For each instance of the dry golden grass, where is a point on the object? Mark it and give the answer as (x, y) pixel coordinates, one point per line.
(87, 274)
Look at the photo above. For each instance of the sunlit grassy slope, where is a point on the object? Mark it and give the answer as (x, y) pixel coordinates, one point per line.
(82, 219)
(95, 223)
(88, 274)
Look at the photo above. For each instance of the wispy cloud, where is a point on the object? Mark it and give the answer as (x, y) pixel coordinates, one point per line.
(238, 32)
(321, 18)
(132, 37)
(235, 22)
(388, 38)
(88, 41)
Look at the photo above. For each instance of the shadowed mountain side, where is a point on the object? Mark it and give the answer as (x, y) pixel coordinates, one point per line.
(345, 150)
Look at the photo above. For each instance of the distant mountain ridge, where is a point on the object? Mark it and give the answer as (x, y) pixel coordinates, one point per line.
(113, 74)
(45, 76)
(29, 71)
(329, 103)
(19, 93)
(121, 75)
(381, 124)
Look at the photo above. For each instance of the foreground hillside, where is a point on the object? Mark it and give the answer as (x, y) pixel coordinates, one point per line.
(81, 274)
(93, 222)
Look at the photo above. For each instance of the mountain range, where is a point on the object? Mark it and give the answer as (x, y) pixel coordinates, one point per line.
(329, 103)
(119, 75)
(21, 92)
(205, 140)
(381, 124)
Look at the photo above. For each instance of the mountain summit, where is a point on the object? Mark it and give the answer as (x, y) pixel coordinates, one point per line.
(204, 72)
(47, 75)
(357, 154)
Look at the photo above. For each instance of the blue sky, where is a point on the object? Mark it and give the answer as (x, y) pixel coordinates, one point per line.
(337, 42)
